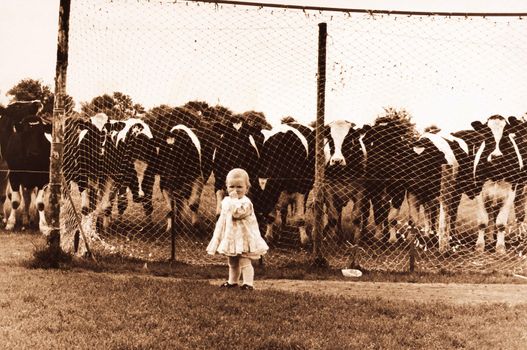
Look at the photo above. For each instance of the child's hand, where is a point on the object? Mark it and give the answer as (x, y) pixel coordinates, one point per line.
(233, 194)
(241, 211)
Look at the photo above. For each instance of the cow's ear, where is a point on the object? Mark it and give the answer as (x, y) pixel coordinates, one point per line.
(477, 125)
(513, 121)
(366, 131)
(118, 126)
(365, 128)
(355, 134)
(326, 131)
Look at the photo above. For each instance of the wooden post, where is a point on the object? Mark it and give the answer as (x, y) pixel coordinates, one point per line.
(413, 253)
(445, 203)
(319, 147)
(57, 145)
(174, 222)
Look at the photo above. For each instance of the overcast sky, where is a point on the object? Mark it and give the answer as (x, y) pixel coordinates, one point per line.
(444, 71)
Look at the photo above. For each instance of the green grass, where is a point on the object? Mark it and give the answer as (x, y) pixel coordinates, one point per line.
(48, 309)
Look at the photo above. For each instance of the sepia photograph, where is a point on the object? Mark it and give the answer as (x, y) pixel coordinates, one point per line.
(272, 174)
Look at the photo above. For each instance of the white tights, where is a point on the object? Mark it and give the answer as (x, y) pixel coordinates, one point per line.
(240, 266)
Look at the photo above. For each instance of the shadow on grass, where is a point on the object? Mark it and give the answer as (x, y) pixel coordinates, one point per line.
(44, 258)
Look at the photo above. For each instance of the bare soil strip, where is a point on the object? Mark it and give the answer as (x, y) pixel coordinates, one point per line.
(461, 294)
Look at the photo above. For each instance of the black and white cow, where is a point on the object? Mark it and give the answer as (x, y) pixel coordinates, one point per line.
(286, 172)
(432, 152)
(499, 168)
(346, 157)
(238, 146)
(88, 148)
(135, 154)
(9, 116)
(387, 172)
(180, 170)
(101, 156)
(27, 150)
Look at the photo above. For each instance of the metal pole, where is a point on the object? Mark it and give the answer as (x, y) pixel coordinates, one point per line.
(319, 146)
(57, 145)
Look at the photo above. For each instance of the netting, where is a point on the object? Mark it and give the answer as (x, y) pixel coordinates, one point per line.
(172, 95)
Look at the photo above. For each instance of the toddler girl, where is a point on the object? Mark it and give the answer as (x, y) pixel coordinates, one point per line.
(236, 234)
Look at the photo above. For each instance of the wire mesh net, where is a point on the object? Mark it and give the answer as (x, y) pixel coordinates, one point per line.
(173, 95)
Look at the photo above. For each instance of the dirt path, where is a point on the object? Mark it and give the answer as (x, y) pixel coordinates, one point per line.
(16, 247)
(463, 294)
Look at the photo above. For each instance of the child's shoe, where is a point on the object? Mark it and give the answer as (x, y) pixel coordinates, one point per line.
(246, 287)
(228, 285)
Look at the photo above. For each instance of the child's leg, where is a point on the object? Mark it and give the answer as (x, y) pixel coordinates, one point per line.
(247, 271)
(234, 269)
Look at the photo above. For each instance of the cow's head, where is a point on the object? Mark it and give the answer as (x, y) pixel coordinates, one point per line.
(285, 145)
(18, 110)
(36, 135)
(237, 131)
(13, 114)
(499, 141)
(341, 137)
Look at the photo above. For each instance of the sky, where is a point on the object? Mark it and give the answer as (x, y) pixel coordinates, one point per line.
(444, 71)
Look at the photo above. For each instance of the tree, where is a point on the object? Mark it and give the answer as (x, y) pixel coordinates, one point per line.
(117, 106)
(288, 120)
(400, 116)
(31, 89)
(198, 106)
(256, 119)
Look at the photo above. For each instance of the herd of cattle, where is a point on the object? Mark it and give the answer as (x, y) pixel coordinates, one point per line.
(378, 167)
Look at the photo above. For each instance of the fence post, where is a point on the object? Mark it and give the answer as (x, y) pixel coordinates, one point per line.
(413, 254)
(318, 226)
(173, 222)
(57, 145)
(445, 204)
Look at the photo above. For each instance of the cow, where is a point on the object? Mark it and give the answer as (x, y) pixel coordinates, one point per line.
(180, 171)
(345, 156)
(88, 147)
(499, 169)
(26, 145)
(432, 151)
(238, 146)
(9, 116)
(101, 156)
(185, 128)
(388, 144)
(437, 191)
(135, 153)
(286, 170)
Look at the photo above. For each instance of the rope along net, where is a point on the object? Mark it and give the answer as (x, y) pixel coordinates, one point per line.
(172, 95)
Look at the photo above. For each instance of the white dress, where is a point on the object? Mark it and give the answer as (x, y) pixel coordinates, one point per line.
(236, 232)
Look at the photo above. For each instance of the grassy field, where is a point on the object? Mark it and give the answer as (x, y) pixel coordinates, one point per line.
(85, 305)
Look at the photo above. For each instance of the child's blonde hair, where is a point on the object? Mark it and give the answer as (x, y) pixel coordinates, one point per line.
(239, 173)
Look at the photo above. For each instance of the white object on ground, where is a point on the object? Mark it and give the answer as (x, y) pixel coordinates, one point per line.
(351, 273)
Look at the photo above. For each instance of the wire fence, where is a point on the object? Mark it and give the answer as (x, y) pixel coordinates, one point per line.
(160, 84)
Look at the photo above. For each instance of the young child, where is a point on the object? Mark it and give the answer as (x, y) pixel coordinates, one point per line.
(236, 234)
